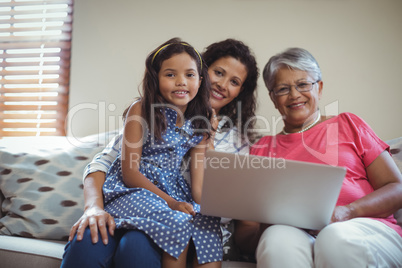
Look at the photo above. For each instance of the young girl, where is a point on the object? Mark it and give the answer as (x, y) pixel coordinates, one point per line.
(144, 188)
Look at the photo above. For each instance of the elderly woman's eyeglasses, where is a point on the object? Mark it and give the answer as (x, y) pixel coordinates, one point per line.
(302, 86)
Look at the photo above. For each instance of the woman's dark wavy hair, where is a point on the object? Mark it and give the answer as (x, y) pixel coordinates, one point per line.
(248, 94)
(198, 109)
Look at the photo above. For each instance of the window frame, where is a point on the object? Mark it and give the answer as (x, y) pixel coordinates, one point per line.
(34, 102)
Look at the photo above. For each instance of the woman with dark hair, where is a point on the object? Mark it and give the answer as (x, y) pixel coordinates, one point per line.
(233, 98)
(233, 73)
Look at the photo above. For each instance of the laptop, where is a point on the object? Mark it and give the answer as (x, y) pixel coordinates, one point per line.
(270, 190)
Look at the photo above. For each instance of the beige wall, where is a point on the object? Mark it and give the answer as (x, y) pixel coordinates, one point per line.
(358, 44)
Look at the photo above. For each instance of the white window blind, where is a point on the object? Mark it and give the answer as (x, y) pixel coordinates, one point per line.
(35, 45)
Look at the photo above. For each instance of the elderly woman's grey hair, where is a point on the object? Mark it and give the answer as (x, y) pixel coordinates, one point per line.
(294, 59)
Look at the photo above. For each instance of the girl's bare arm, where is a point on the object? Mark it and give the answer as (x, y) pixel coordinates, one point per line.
(131, 158)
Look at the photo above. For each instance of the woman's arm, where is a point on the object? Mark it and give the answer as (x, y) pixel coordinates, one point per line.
(386, 198)
(197, 154)
(94, 214)
(103, 160)
(94, 176)
(131, 157)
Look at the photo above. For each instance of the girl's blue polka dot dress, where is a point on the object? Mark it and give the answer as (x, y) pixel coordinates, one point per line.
(138, 208)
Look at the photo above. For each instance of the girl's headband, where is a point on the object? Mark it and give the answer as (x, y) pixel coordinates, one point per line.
(159, 50)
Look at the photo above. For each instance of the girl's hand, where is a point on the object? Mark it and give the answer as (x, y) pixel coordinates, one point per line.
(183, 207)
(97, 219)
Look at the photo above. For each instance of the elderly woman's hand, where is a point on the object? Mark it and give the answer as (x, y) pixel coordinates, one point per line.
(343, 213)
(98, 220)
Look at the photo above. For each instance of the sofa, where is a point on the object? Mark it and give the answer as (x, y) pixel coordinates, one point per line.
(41, 197)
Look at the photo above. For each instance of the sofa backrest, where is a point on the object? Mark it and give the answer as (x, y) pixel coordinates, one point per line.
(396, 151)
(1, 204)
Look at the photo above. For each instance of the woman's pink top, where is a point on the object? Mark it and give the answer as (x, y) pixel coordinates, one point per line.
(344, 140)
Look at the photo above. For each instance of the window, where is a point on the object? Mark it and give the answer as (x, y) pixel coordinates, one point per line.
(35, 45)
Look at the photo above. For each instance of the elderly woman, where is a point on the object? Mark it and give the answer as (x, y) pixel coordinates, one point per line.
(363, 231)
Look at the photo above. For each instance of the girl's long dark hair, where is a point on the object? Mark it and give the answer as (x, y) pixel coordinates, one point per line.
(248, 95)
(198, 110)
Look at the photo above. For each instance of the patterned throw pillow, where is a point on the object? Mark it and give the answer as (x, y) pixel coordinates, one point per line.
(41, 180)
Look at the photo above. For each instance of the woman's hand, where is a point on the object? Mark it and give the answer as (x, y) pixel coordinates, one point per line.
(214, 127)
(214, 120)
(343, 213)
(183, 207)
(98, 220)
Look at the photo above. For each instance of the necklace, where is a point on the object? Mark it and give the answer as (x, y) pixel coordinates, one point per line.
(308, 127)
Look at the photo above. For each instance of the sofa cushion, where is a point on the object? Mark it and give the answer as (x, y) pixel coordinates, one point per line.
(24, 252)
(41, 180)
